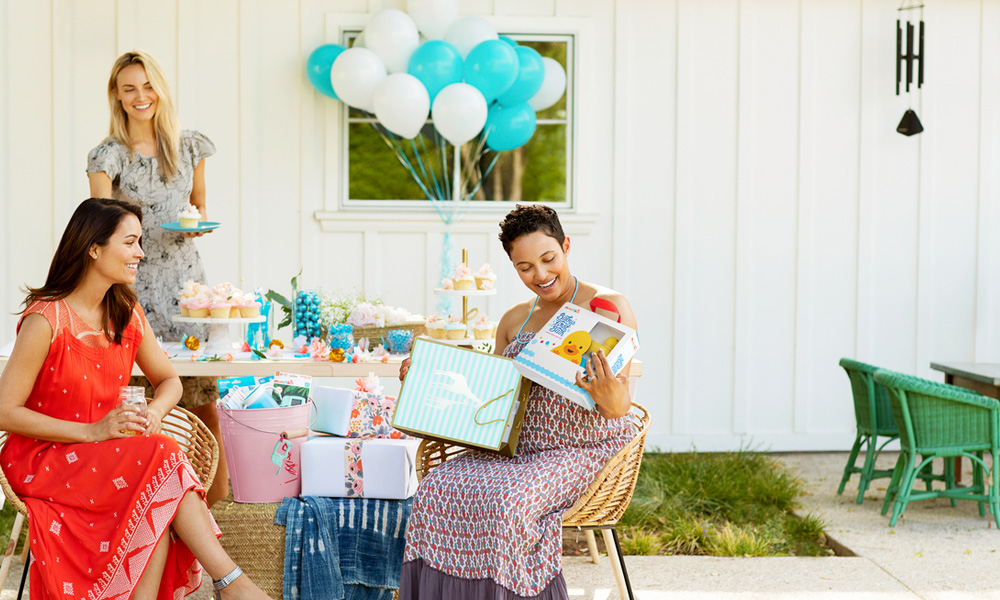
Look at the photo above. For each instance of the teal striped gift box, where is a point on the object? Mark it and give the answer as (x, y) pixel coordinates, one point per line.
(462, 396)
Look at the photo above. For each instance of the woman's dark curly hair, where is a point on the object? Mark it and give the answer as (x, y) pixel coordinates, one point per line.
(529, 218)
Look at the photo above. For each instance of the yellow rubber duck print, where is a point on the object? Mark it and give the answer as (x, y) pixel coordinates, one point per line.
(573, 346)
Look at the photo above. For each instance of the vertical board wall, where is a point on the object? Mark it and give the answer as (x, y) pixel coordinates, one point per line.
(738, 176)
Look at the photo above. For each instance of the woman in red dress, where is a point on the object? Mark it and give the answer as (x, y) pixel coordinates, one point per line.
(116, 510)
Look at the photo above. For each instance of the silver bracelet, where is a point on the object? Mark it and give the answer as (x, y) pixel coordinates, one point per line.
(229, 578)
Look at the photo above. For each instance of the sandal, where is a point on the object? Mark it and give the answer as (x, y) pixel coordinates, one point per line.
(223, 583)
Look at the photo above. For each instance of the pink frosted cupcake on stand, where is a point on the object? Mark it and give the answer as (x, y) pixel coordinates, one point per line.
(249, 307)
(198, 308)
(219, 308)
(435, 327)
(463, 279)
(482, 329)
(485, 278)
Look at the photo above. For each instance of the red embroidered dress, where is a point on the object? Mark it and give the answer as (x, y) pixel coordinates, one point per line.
(96, 510)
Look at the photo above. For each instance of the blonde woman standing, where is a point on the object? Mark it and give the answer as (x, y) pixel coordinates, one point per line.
(148, 160)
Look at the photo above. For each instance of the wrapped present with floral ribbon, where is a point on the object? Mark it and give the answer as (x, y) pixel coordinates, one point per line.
(373, 410)
(336, 467)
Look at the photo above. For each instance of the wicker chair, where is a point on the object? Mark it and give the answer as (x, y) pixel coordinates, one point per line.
(873, 415)
(195, 440)
(601, 505)
(940, 420)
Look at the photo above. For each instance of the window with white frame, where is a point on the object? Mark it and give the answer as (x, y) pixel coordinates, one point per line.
(539, 171)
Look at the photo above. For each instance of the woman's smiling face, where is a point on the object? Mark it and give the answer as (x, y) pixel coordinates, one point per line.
(136, 93)
(118, 260)
(541, 264)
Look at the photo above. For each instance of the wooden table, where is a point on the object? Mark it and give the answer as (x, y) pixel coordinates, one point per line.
(236, 368)
(980, 377)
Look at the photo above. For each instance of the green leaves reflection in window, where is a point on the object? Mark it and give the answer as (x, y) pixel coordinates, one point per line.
(537, 171)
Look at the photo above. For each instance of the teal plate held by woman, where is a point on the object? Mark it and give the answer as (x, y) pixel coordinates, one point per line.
(202, 226)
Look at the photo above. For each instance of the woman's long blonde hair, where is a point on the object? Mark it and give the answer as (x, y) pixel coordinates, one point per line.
(164, 121)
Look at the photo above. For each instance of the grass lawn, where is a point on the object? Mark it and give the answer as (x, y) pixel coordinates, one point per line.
(7, 522)
(718, 504)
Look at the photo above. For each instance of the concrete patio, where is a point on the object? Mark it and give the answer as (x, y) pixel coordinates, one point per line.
(936, 552)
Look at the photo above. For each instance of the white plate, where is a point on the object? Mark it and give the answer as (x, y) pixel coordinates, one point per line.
(211, 321)
(444, 292)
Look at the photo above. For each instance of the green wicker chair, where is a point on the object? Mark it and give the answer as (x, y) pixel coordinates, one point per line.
(873, 415)
(940, 420)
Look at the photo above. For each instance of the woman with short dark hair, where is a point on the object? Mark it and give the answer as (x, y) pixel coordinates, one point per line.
(116, 509)
(484, 526)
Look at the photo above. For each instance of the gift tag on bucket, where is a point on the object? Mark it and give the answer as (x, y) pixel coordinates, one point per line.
(280, 452)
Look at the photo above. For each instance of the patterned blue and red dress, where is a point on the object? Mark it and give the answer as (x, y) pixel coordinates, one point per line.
(488, 526)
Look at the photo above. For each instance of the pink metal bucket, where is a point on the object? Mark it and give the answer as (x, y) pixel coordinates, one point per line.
(263, 466)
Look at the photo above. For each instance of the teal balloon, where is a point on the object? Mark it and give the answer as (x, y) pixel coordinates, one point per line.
(530, 74)
(436, 64)
(509, 40)
(491, 67)
(509, 127)
(318, 68)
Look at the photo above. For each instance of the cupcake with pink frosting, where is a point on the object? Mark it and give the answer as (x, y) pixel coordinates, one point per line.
(189, 217)
(197, 308)
(435, 327)
(485, 277)
(463, 278)
(482, 329)
(219, 308)
(249, 307)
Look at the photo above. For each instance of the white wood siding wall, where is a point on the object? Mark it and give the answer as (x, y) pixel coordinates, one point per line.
(738, 176)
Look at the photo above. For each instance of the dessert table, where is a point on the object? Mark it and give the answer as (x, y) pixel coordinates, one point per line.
(243, 365)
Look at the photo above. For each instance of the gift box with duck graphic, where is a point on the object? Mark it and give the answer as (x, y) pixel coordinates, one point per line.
(563, 346)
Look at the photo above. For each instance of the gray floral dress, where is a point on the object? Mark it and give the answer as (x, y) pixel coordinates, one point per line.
(171, 259)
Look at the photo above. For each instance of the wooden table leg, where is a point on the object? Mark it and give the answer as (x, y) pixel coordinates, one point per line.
(950, 380)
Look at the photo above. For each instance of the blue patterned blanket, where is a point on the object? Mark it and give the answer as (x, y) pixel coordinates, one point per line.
(342, 548)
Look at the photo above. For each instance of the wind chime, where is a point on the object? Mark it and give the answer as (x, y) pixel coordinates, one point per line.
(910, 124)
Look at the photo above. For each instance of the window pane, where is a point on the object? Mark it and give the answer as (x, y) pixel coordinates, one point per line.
(535, 172)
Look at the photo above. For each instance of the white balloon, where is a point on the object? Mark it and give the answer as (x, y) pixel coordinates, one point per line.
(459, 112)
(392, 35)
(354, 75)
(553, 85)
(433, 17)
(468, 32)
(402, 104)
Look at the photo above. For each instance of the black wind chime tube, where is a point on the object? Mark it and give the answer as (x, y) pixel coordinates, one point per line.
(910, 123)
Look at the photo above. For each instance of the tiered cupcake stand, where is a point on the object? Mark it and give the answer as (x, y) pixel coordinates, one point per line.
(470, 339)
(220, 340)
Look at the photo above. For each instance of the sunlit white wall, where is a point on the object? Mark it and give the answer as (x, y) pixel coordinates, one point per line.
(738, 177)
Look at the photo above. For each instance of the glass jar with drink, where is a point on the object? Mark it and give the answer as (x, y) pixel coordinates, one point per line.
(133, 396)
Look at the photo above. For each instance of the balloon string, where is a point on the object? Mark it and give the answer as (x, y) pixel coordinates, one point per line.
(485, 175)
(448, 183)
(403, 159)
(423, 171)
(430, 166)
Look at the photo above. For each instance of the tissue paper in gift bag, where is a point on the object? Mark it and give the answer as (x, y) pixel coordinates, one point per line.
(354, 468)
(463, 397)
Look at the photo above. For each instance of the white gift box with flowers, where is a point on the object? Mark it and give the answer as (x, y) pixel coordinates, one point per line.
(336, 467)
(372, 460)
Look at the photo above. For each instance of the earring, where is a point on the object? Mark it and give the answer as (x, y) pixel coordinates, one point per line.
(93, 255)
